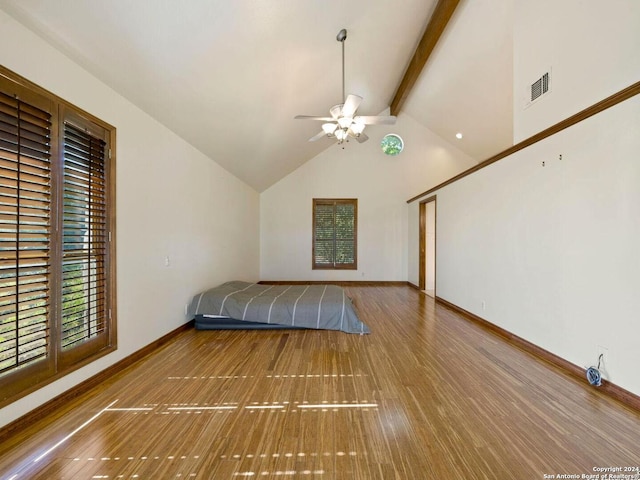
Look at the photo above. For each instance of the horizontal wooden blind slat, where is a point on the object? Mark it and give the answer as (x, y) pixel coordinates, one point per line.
(97, 292)
(30, 211)
(83, 164)
(76, 215)
(94, 279)
(94, 317)
(9, 101)
(38, 171)
(95, 313)
(9, 130)
(77, 201)
(11, 140)
(34, 189)
(7, 158)
(11, 201)
(81, 154)
(80, 137)
(22, 289)
(98, 304)
(73, 214)
(26, 219)
(75, 245)
(85, 153)
(28, 118)
(84, 179)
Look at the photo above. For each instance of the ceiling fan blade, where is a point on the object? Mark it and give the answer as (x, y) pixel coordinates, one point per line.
(318, 136)
(336, 111)
(362, 138)
(311, 117)
(376, 120)
(351, 104)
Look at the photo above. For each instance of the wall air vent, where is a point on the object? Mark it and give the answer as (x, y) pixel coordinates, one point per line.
(539, 88)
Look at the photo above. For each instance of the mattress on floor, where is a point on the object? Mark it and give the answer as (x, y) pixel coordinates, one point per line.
(325, 307)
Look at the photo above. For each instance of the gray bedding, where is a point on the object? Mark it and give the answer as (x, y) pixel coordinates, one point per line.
(308, 306)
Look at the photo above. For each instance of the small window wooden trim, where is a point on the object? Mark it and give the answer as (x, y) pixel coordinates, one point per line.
(335, 266)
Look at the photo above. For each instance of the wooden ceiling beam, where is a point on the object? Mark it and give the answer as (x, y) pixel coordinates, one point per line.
(437, 23)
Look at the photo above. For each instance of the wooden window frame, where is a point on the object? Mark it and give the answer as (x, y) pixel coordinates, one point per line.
(334, 202)
(17, 382)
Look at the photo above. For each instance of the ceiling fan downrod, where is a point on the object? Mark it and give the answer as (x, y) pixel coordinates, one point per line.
(341, 37)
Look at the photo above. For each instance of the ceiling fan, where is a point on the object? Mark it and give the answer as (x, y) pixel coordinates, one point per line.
(343, 122)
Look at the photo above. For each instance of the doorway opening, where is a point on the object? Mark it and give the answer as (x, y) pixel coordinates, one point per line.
(427, 267)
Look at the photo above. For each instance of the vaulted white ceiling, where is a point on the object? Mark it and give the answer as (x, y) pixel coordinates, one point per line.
(467, 84)
(229, 76)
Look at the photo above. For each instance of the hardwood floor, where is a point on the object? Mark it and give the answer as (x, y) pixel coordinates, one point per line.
(428, 395)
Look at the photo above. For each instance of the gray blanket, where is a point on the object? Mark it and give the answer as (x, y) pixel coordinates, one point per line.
(309, 306)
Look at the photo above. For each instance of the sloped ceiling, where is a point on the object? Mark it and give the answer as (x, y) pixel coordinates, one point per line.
(467, 84)
(229, 76)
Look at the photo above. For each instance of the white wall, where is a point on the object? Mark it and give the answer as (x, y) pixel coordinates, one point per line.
(591, 47)
(171, 201)
(381, 184)
(552, 251)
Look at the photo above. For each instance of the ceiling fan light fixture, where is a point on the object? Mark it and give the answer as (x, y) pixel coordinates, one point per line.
(329, 128)
(341, 134)
(357, 128)
(345, 122)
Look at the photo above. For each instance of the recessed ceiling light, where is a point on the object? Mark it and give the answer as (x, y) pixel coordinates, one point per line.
(458, 135)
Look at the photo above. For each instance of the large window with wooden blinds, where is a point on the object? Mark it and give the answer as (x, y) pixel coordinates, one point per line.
(335, 233)
(57, 276)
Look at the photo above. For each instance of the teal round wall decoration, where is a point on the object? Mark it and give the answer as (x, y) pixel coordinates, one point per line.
(392, 144)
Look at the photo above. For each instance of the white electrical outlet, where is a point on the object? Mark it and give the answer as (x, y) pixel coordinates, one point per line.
(186, 309)
(484, 305)
(167, 261)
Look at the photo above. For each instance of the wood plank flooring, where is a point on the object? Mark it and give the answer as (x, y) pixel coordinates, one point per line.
(427, 395)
